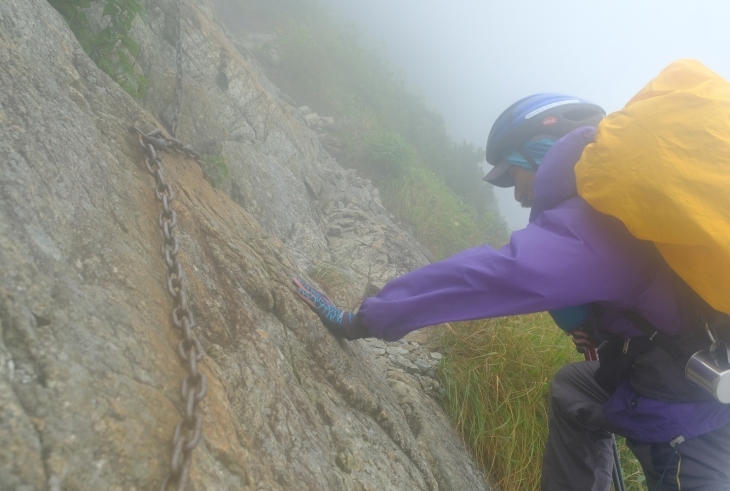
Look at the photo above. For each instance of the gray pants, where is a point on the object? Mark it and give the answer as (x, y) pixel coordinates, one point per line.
(578, 454)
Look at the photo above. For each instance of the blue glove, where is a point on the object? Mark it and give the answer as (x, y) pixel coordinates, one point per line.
(340, 323)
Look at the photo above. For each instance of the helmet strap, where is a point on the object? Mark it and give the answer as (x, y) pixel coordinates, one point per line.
(529, 159)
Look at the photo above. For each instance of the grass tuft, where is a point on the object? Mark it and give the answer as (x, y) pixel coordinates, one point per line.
(497, 375)
(438, 217)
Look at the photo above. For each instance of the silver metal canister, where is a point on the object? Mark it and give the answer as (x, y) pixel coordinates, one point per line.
(704, 370)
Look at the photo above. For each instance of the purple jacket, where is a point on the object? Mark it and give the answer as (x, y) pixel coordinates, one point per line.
(568, 255)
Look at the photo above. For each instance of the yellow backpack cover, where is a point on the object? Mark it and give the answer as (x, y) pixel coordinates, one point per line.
(661, 165)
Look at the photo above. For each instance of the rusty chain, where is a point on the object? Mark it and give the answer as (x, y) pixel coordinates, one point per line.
(178, 71)
(188, 430)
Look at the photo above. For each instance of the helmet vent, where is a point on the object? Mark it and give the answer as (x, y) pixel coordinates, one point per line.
(580, 114)
(559, 114)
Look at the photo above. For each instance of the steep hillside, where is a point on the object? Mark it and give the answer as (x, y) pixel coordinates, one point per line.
(90, 376)
(385, 130)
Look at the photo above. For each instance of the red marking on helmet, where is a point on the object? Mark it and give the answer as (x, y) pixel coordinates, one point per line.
(549, 121)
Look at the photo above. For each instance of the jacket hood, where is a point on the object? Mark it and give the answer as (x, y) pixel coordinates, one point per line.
(555, 179)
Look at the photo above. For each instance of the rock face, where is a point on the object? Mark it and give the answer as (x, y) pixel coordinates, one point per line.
(89, 373)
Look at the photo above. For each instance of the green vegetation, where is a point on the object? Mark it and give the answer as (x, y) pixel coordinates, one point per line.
(431, 183)
(110, 47)
(391, 129)
(633, 474)
(438, 217)
(215, 169)
(497, 373)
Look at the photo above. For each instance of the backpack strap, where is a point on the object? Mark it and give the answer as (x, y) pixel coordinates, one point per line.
(668, 343)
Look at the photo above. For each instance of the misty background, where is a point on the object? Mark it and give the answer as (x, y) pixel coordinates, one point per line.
(470, 59)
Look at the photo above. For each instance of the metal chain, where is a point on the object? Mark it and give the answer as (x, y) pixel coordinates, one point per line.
(194, 386)
(178, 72)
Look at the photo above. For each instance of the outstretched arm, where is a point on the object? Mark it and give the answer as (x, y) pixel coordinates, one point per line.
(570, 255)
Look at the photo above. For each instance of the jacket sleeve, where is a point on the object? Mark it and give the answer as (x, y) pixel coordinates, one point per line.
(568, 256)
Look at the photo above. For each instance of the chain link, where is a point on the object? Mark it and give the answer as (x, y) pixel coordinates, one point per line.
(178, 71)
(194, 386)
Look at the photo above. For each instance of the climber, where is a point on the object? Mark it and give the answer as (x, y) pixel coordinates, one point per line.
(586, 269)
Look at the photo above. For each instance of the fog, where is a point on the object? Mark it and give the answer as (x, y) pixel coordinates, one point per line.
(470, 59)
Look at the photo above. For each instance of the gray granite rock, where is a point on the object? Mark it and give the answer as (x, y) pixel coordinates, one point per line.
(89, 372)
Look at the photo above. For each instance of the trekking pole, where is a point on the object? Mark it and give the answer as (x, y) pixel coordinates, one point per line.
(591, 354)
(618, 473)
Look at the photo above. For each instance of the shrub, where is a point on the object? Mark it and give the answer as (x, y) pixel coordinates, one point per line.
(439, 219)
(389, 156)
(325, 66)
(111, 47)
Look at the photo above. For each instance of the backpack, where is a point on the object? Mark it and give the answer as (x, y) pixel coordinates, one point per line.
(661, 165)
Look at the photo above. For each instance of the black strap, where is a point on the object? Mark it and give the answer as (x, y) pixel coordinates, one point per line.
(664, 341)
(529, 159)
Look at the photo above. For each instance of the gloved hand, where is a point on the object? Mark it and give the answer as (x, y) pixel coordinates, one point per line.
(581, 340)
(340, 323)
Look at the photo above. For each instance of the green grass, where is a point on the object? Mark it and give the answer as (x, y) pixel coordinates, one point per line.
(497, 373)
(440, 220)
(633, 475)
(110, 46)
(324, 65)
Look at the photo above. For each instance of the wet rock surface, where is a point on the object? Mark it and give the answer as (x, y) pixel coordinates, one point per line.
(89, 372)
(412, 358)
